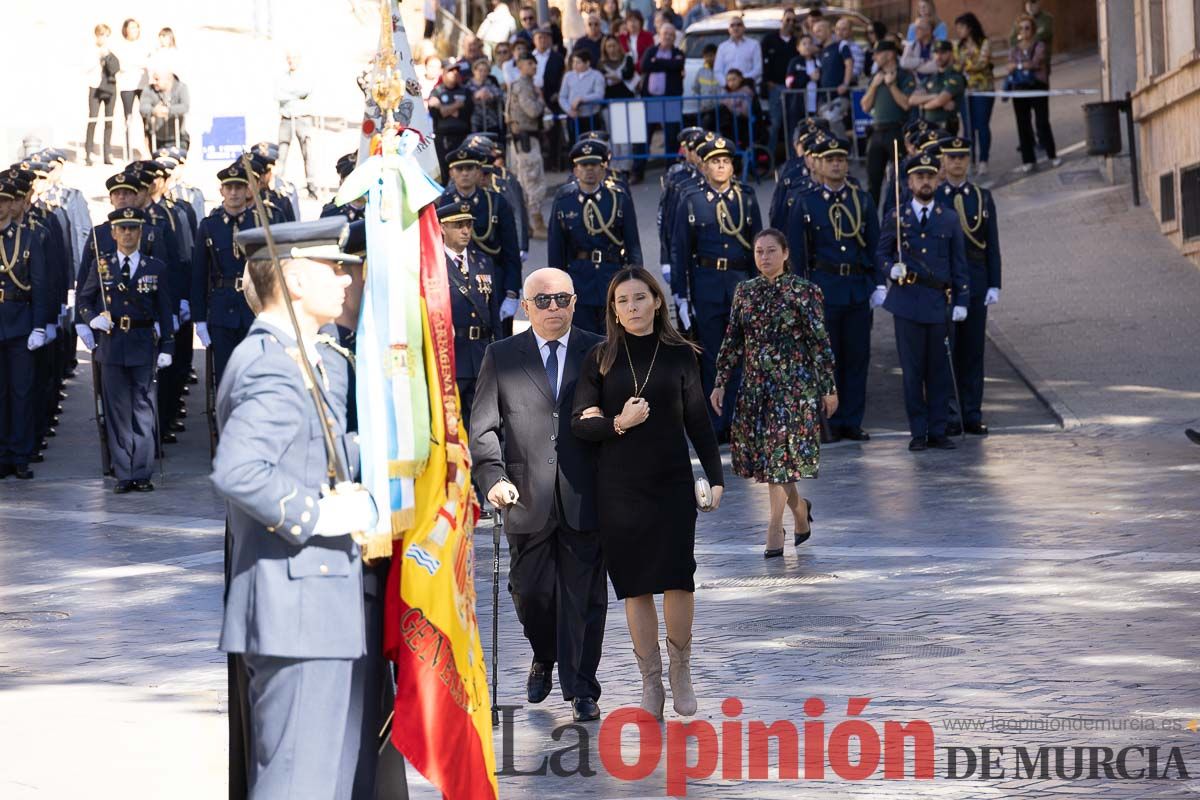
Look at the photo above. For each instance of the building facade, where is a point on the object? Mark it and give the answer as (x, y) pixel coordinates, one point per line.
(1151, 49)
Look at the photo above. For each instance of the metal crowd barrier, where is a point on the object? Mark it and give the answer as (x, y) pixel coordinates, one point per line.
(630, 124)
(846, 118)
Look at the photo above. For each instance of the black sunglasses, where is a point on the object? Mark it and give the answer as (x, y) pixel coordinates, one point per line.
(562, 299)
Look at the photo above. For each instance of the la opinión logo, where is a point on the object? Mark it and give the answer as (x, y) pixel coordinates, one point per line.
(632, 746)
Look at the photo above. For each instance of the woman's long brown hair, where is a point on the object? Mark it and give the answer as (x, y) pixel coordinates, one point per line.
(616, 334)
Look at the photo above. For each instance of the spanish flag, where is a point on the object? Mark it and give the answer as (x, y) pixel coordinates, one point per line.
(443, 709)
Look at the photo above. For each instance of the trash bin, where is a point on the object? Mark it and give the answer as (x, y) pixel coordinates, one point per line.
(1104, 127)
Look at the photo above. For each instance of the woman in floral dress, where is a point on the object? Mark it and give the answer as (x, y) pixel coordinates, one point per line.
(777, 335)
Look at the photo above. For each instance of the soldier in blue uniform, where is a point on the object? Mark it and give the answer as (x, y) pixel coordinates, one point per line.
(928, 293)
(497, 178)
(355, 209)
(711, 251)
(176, 229)
(915, 133)
(833, 234)
(794, 174)
(474, 302)
(593, 234)
(46, 234)
(291, 549)
(675, 181)
(222, 316)
(495, 222)
(278, 194)
(975, 210)
(126, 300)
(26, 307)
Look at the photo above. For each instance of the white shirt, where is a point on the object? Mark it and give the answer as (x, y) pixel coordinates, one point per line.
(917, 206)
(544, 350)
(745, 55)
(135, 260)
(539, 77)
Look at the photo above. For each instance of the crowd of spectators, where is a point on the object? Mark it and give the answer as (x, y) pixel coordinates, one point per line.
(746, 87)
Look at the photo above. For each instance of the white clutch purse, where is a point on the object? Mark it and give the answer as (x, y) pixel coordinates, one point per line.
(704, 495)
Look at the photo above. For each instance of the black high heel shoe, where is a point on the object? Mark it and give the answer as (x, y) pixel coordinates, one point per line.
(801, 538)
(772, 552)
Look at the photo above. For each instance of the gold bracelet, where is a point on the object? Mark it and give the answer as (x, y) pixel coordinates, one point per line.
(617, 427)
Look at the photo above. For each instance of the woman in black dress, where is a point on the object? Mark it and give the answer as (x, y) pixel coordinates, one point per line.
(639, 395)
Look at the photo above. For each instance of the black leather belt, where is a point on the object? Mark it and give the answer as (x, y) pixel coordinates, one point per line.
(842, 269)
(922, 279)
(14, 296)
(222, 282)
(976, 256)
(473, 332)
(724, 264)
(125, 323)
(599, 256)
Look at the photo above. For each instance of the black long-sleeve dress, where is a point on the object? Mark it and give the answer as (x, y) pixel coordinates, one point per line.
(645, 487)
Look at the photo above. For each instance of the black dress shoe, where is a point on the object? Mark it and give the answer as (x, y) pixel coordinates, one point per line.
(51, 432)
(22, 472)
(975, 429)
(42, 444)
(942, 443)
(185, 390)
(537, 688)
(584, 709)
(169, 438)
(917, 443)
(773, 552)
(1192, 435)
(5, 470)
(954, 429)
(143, 486)
(37, 458)
(801, 538)
(855, 434)
(182, 413)
(123, 487)
(178, 426)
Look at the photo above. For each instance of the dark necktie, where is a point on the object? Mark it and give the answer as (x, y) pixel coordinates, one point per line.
(924, 216)
(125, 268)
(552, 368)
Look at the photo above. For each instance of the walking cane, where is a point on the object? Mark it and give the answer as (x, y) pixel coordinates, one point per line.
(497, 523)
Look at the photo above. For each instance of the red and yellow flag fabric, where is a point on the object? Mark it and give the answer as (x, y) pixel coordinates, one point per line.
(443, 709)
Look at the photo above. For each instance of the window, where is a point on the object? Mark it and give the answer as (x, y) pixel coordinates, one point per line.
(1166, 197)
(1189, 195)
(1156, 47)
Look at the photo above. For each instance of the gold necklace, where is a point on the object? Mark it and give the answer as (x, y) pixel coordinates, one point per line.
(637, 391)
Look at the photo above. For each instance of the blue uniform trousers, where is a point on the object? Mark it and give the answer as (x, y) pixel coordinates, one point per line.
(16, 402)
(970, 337)
(223, 342)
(849, 330)
(926, 367)
(298, 711)
(172, 379)
(711, 314)
(44, 386)
(129, 400)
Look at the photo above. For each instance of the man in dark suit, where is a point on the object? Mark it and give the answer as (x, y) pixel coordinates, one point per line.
(545, 477)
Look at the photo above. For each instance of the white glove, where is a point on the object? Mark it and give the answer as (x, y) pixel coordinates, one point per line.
(878, 296)
(51, 333)
(897, 272)
(350, 508)
(101, 323)
(202, 332)
(958, 314)
(993, 297)
(666, 273)
(684, 310)
(175, 323)
(509, 307)
(185, 311)
(85, 335)
(524, 256)
(37, 338)
(164, 360)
